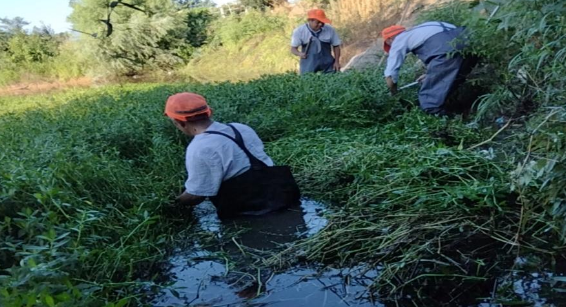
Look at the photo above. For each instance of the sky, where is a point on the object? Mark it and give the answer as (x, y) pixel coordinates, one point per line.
(51, 12)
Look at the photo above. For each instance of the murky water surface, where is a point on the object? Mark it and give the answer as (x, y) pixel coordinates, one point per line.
(208, 276)
(201, 279)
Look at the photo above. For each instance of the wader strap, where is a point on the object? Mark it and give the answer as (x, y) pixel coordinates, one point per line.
(307, 46)
(254, 162)
(440, 24)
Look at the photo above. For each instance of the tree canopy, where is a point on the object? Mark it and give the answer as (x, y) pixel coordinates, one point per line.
(138, 34)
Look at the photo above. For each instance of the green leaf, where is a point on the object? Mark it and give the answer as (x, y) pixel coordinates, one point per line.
(49, 300)
(122, 302)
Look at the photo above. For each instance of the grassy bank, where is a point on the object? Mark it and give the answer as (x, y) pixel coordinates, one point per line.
(245, 47)
(86, 176)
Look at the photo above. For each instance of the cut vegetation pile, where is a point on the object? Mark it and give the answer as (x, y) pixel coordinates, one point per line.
(433, 203)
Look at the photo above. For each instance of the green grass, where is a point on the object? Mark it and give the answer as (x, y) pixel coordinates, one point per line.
(245, 47)
(86, 177)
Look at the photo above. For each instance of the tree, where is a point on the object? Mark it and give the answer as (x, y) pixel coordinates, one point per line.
(195, 3)
(44, 30)
(129, 40)
(32, 48)
(261, 4)
(9, 28)
(198, 21)
(13, 26)
(21, 47)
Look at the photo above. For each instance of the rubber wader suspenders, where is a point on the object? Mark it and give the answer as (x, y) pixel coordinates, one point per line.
(259, 190)
(306, 49)
(254, 162)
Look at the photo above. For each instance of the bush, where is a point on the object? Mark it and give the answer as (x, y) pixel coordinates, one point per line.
(244, 47)
(235, 29)
(522, 43)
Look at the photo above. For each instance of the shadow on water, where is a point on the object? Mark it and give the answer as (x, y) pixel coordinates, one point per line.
(222, 266)
(209, 276)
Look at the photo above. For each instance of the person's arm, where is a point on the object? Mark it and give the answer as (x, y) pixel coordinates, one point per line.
(205, 174)
(395, 60)
(187, 199)
(336, 43)
(392, 85)
(337, 58)
(296, 41)
(295, 51)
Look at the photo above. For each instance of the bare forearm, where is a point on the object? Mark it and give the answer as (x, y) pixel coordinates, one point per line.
(337, 52)
(187, 199)
(295, 51)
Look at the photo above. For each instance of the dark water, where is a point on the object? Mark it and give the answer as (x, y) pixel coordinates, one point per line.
(230, 273)
(200, 278)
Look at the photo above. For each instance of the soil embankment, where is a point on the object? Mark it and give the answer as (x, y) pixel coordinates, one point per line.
(38, 87)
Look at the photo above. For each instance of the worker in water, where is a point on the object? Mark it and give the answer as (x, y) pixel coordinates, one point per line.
(439, 45)
(227, 163)
(317, 40)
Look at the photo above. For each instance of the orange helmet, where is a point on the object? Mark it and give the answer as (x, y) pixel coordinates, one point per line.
(186, 106)
(319, 15)
(390, 32)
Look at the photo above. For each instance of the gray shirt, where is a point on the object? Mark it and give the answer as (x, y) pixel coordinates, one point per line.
(410, 40)
(211, 159)
(301, 35)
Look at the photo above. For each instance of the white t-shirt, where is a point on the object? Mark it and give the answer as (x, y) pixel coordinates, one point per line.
(302, 35)
(211, 159)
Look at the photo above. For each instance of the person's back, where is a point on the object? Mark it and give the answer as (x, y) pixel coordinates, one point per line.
(417, 35)
(206, 150)
(439, 45)
(227, 163)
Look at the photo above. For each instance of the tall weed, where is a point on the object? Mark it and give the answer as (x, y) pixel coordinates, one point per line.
(522, 42)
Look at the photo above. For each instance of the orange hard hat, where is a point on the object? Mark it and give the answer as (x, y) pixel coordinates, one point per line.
(319, 15)
(186, 106)
(390, 32)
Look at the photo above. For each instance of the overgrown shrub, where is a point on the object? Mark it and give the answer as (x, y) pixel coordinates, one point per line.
(235, 29)
(244, 47)
(522, 43)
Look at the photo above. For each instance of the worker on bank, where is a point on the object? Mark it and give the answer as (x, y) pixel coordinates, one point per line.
(227, 163)
(317, 40)
(438, 45)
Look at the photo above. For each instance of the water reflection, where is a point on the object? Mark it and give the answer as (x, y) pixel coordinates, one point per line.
(283, 226)
(536, 289)
(200, 278)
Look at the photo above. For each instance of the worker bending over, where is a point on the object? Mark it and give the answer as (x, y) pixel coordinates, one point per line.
(439, 46)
